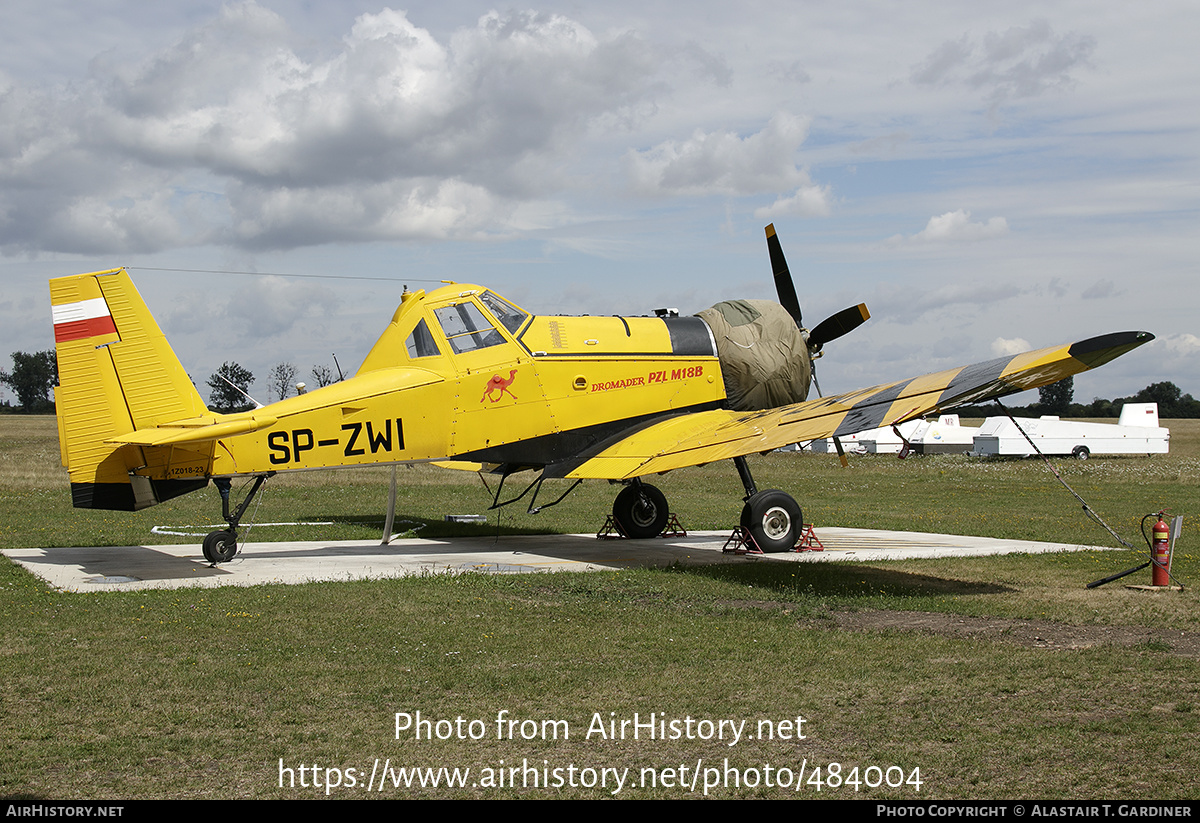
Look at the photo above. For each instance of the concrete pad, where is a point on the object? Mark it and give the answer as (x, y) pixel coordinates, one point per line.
(123, 568)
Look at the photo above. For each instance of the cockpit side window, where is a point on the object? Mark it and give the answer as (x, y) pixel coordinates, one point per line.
(466, 328)
(509, 316)
(421, 343)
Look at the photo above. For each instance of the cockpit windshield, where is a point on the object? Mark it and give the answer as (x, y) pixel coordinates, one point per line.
(467, 328)
(509, 315)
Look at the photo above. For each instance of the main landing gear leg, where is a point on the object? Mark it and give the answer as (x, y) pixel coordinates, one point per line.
(772, 517)
(221, 546)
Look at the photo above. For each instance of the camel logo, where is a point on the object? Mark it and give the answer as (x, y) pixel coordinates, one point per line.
(498, 386)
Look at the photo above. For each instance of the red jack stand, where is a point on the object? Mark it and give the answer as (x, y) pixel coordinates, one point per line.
(740, 542)
(611, 531)
(808, 541)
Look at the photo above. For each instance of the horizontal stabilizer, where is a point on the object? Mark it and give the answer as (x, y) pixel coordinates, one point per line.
(172, 435)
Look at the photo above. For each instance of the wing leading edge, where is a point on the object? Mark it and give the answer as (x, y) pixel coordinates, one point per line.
(691, 440)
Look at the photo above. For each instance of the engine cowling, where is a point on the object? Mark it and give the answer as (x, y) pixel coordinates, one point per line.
(764, 356)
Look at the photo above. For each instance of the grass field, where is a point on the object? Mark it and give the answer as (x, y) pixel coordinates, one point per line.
(974, 678)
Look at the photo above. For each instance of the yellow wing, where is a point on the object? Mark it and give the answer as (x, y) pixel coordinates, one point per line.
(693, 439)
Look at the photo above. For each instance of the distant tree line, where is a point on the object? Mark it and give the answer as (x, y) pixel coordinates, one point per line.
(1058, 398)
(229, 389)
(34, 376)
(229, 386)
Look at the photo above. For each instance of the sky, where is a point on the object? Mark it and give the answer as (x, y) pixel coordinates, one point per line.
(987, 177)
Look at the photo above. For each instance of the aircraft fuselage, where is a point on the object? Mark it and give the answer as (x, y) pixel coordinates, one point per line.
(460, 374)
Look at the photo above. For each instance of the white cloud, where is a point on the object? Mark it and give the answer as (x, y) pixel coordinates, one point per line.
(390, 135)
(1022, 61)
(806, 201)
(270, 306)
(955, 227)
(223, 139)
(1181, 344)
(1100, 289)
(399, 209)
(726, 163)
(1002, 347)
(935, 305)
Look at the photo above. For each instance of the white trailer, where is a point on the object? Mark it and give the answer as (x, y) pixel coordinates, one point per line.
(1137, 432)
(946, 435)
(942, 436)
(872, 441)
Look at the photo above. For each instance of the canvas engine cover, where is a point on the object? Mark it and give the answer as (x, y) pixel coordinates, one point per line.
(764, 356)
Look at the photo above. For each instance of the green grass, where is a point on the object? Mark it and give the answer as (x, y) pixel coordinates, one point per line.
(200, 693)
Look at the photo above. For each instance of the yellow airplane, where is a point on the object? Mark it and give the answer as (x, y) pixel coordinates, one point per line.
(463, 378)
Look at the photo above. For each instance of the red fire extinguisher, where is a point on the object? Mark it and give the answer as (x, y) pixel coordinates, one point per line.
(1160, 552)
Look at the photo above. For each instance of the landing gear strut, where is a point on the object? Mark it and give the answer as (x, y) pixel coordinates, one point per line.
(773, 517)
(221, 546)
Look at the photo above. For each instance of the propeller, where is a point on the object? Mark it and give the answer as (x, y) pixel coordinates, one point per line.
(784, 287)
(832, 327)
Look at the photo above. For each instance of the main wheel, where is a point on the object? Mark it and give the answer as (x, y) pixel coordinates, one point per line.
(1081, 452)
(220, 546)
(773, 519)
(640, 511)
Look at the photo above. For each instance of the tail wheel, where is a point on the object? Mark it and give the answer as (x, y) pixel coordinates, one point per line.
(640, 511)
(773, 519)
(220, 546)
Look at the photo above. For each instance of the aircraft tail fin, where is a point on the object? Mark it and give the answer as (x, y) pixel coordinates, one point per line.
(117, 374)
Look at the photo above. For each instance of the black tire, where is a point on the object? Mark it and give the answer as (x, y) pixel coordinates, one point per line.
(640, 511)
(773, 519)
(220, 546)
(1081, 453)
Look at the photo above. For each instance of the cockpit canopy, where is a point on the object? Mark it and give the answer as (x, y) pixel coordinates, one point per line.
(465, 324)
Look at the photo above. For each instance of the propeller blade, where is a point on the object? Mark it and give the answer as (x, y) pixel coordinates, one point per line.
(834, 326)
(837, 442)
(784, 288)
